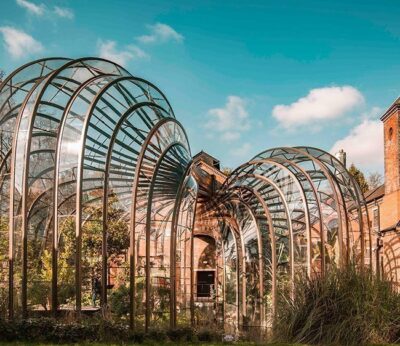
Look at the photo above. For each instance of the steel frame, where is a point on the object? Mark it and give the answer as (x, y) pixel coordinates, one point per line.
(74, 133)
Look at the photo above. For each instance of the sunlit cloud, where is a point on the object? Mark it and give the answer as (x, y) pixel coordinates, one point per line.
(229, 121)
(108, 50)
(363, 145)
(160, 32)
(18, 43)
(319, 105)
(64, 12)
(31, 7)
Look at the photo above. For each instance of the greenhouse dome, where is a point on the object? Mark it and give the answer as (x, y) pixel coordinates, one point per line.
(105, 209)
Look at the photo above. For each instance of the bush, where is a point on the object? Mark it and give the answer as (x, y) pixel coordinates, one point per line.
(181, 334)
(48, 330)
(208, 335)
(137, 337)
(156, 335)
(7, 331)
(346, 306)
(108, 331)
(119, 301)
(72, 333)
(38, 329)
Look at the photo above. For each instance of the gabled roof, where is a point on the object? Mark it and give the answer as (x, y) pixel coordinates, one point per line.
(395, 105)
(204, 154)
(205, 157)
(374, 194)
(393, 228)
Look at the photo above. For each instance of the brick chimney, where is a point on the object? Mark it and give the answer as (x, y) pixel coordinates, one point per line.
(391, 120)
(341, 156)
(391, 133)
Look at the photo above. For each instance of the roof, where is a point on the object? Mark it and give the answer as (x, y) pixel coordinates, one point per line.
(202, 154)
(204, 157)
(393, 228)
(374, 194)
(395, 105)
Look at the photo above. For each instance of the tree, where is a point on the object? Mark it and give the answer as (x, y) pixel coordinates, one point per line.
(226, 170)
(374, 180)
(359, 177)
(2, 74)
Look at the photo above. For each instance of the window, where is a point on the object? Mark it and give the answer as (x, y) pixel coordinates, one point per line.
(390, 133)
(375, 219)
(205, 283)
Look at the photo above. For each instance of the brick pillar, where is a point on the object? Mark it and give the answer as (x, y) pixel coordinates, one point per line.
(390, 212)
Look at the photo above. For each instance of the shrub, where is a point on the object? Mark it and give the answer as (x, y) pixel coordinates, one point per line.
(72, 333)
(48, 330)
(8, 331)
(345, 306)
(137, 337)
(108, 331)
(119, 301)
(156, 335)
(208, 335)
(38, 329)
(181, 334)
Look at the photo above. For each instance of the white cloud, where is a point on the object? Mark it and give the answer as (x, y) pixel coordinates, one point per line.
(363, 145)
(108, 50)
(320, 104)
(372, 113)
(231, 120)
(18, 43)
(64, 12)
(242, 151)
(160, 33)
(31, 7)
(41, 9)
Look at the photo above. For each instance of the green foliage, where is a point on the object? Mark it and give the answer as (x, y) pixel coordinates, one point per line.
(3, 238)
(181, 334)
(3, 301)
(40, 273)
(47, 330)
(66, 262)
(8, 331)
(209, 335)
(156, 334)
(346, 306)
(39, 293)
(3, 265)
(137, 337)
(50, 330)
(359, 177)
(119, 301)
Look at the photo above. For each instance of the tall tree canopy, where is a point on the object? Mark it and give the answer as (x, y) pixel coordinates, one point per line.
(359, 177)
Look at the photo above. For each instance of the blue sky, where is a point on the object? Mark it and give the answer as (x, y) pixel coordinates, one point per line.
(241, 76)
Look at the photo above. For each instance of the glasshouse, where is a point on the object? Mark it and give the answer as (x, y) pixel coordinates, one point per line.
(104, 209)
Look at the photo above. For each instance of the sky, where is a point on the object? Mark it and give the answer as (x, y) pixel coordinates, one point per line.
(241, 76)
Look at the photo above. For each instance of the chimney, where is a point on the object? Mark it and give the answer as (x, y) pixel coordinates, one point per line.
(391, 147)
(341, 156)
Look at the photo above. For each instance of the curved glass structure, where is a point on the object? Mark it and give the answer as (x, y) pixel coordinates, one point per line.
(101, 202)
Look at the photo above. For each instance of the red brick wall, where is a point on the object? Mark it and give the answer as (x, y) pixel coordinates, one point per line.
(389, 208)
(392, 163)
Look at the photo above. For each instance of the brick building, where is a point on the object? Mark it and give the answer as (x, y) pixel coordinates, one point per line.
(384, 201)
